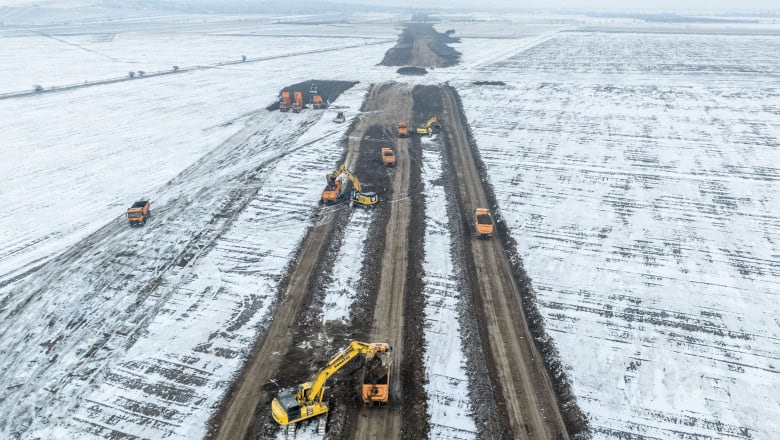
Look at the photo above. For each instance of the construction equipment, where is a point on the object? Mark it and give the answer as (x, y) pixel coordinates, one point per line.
(430, 127)
(388, 157)
(376, 380)
(340, 117)
(483, 223)
(335, 189)
(316, 102)
(313, 88)
(403, 130)
(139, 213)
(284, 102)
(305, 401)
(297, 104)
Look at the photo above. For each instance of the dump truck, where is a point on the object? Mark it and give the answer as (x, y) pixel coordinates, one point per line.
(306, 401)
(284, 102)
(376, 380)
(388, 157)
(483, 223)
(139, 212)
(316, 102)
(430, 127)
(297, 104)
(403, 130)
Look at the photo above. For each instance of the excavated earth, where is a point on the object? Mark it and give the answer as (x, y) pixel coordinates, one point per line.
(421, 45)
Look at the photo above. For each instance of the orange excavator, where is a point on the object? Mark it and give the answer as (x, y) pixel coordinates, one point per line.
(316, 102)
(297, 104)
(284, 102)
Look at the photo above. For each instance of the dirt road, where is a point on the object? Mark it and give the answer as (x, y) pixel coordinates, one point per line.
(527, 400)
(389, 311)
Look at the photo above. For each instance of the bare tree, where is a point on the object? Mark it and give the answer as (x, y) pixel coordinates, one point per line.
(243, 58)
(141, 73)
(131, 74)
(38, 88)
(175, 68)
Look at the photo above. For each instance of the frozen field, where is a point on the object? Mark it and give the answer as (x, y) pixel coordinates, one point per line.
(638, 174)
(73, 176)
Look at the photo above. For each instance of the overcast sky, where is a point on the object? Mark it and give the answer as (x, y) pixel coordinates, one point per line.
(606, 4)
(477, 4)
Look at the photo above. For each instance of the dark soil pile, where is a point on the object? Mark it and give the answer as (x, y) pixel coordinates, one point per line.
(412, 71)
(401, 54)
(328, 90)
(489, 83)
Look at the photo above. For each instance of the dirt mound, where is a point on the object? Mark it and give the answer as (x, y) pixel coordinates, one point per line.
(328, 90)
(420, 45)
(412, 71)
(489, 83)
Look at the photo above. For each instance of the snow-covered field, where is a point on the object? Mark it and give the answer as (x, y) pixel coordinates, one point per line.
(73, 160)
(142, 336)
(342, 290)
(639, 175)
(447, 382)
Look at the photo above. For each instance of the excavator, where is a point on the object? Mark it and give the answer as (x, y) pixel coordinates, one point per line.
(430, 127)
(335, 188)
(305, 401)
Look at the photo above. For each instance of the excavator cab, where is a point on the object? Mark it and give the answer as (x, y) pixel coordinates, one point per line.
(364, 198)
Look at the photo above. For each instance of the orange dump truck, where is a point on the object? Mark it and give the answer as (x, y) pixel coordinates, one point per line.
(316, 101)
(139, 213)
(284, 102)
(388, 157)
(376, 381)
(483, 223)
(332, 190)
(403, 129)
(297, 104)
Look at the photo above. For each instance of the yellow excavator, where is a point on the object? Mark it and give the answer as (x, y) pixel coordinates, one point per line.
(305, 401)
(430, 127)
(335, 188)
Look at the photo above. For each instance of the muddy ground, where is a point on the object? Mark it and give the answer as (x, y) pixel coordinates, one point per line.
(421, 45)
(328, 90)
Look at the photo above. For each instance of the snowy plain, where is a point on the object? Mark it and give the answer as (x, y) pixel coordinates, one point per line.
(638, 174)
(642, 193)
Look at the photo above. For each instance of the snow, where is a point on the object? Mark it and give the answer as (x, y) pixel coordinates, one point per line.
(638, 174)
(449, 405)
(343, 288)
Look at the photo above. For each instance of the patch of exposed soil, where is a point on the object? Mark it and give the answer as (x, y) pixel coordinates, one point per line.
(489, 83)
(421, 45)
(575, 420)
(419, 71)
(328, 90)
